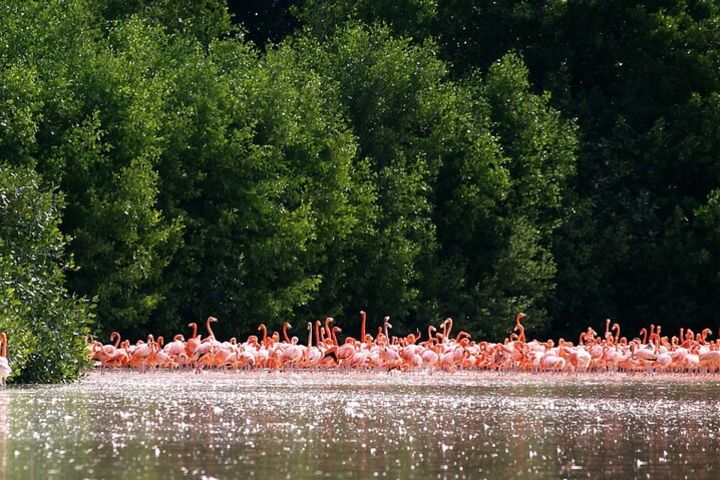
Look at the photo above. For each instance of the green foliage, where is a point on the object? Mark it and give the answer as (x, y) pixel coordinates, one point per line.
(496, 217)
(204, 20)
(89, 120)
(332, 173)
(638, 77)
(383, 86)
(413, 158)
(469, 180)
(540, 144)
(260, 170)
(46, 326)
(685, 155)
(407, 17)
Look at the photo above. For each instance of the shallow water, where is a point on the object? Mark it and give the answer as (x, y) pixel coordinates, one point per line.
(313, 425)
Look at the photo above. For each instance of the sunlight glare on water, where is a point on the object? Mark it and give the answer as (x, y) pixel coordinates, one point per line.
(361, 425)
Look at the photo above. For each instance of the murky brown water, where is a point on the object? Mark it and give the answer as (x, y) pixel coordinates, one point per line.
(312, 425)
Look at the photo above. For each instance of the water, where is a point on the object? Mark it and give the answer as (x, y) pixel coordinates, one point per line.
(315, 425)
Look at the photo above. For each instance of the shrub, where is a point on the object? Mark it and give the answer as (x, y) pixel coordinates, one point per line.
(46, 326)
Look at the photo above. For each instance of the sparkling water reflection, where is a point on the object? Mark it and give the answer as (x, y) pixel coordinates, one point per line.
(311, 425)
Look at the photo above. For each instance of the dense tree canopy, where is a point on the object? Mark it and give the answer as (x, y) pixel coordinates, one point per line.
(640, 79)
(418, 158)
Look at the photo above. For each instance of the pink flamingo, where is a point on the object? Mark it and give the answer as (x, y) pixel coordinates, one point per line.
(193, 342)
(5, 370)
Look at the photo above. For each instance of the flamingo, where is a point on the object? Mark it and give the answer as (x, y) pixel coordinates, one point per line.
(140, 354)
(5, 370)
(347, 350)
(313, 354)
(177, 349)
(430, 356)
(710, 360)
(292, 353)
(193, 342)
(205, 353)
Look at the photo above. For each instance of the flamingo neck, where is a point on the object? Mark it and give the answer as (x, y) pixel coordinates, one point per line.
(449, 322)
(363, 321)
(328, 332)
(207, 326)
(461, 334)
(284, 332)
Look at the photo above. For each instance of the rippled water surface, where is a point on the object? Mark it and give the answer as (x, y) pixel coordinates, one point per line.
(313, 425)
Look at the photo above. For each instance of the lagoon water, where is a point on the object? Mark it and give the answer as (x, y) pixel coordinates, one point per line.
(362, 425)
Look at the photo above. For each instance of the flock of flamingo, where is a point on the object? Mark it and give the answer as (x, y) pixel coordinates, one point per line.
(689, 352)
